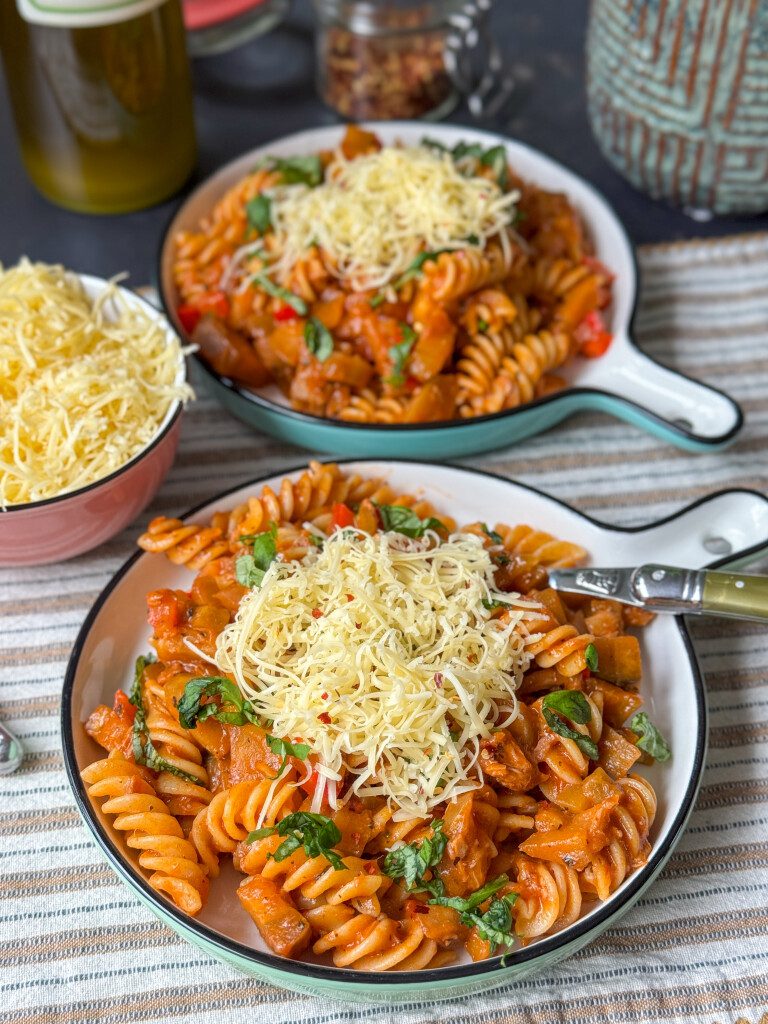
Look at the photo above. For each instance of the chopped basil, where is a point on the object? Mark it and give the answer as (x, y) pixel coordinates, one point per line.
(496, 159)
(412, 861)
(376, 300)
(318, 338)
(492, 605)
(399, 355)
(144, 751)
(571, 703)
(234, 708)
(585, 744)
(298, 170)
(276, 291)
(314, 832)
(259, 213)
(651, 740)
(400, 519)
(482, 325)
(250, 569)
(496, 924)
(285, 750)
(492, 534)
(590, 656)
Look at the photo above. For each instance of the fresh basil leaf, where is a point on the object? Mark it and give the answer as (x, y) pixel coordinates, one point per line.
(570, 703)
(492, 534)
(276, 291)
(234, 709)
(399, 355)
(496, 925)
(376, 300)
(285, 749)
(492, 605)
(590, 656)
(300, 170)
(251, 569)
(464, 149)
(318, 338)
(144, 751)
(496, 159)
(651, 740)
(138, 674)
(314, 832)
(400, 519)
(412, 861)
(482, 325)
(259, 213)
(586, 745)
(247, 573)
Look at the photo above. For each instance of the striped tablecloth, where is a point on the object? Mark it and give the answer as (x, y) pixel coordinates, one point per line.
(76, 946)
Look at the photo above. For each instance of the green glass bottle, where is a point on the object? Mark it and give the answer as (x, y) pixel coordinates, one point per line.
(102, 98)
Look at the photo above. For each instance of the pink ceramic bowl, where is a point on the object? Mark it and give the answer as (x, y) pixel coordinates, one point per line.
(62, 527)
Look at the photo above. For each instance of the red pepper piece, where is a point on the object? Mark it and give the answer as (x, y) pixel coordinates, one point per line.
(285, 312)
(592, 336)
(189, 317)
(342, 515)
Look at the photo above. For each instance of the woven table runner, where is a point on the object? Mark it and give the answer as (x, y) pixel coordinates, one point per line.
(75, 944)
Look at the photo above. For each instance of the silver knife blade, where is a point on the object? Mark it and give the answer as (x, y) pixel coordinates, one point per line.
(606, 583)
(658, 588)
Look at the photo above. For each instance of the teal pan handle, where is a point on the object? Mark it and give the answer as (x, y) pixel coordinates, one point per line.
(680, 410)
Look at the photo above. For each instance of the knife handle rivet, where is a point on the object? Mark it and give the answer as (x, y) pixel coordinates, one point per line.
(739, 584)
(658, 574)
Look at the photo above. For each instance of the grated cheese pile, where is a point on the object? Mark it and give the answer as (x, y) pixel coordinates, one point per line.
(398, 684)
(373, 215)
(84, 384)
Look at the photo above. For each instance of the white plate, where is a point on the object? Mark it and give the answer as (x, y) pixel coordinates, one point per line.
(116, 632)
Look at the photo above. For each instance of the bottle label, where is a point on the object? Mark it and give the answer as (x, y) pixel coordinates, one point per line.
(83, 13)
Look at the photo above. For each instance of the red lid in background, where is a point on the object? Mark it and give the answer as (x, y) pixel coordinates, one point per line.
(204, 13)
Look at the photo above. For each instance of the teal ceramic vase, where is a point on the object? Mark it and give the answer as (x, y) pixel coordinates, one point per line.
(678, 99)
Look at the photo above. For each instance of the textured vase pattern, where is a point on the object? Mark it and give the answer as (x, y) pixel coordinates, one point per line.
(678, 98)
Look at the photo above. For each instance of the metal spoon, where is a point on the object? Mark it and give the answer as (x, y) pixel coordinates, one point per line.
(11, 751)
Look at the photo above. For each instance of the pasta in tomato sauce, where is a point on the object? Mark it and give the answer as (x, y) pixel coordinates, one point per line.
(464, 780)
(390, 284)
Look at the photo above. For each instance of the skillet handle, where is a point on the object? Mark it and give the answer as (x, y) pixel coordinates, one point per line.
(728, 528)
(685, 412)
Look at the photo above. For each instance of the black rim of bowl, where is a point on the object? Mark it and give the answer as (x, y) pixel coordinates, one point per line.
(581, 929)
(162, 431)
(270, 407)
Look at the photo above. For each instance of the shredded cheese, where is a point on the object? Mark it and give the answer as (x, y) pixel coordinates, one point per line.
(378, 652)
(373, 215)
(84, 384)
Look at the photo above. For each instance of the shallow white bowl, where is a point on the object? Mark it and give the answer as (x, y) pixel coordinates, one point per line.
(115, 633)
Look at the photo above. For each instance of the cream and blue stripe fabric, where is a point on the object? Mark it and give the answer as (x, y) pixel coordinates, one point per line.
(76, 946)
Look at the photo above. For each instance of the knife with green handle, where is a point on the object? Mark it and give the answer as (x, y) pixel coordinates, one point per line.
(665, 588)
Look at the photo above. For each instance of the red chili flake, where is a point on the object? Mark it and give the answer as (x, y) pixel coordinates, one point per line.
(438, 678)
(586, 674)
(358, 625)
(324, 717)
(324, 696)
(472, 659)
(350, 597)
(316, 613)
(419, 908)
(371, 867)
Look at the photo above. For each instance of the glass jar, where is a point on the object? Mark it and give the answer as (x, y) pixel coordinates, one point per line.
(386, 61)
(214, 26)
(102, 99)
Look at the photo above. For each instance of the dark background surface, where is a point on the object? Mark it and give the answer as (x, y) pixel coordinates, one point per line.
(265, 89)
